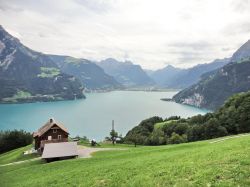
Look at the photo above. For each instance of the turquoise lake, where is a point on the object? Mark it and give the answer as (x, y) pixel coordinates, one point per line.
(92, 117)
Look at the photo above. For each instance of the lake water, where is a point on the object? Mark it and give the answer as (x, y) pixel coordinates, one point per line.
(92, 117)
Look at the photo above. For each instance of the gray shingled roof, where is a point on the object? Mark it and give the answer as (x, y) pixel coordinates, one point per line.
(62, 149)
(47, 126)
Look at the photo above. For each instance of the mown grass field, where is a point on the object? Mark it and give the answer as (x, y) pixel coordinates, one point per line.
(16, 155)
(225, 163)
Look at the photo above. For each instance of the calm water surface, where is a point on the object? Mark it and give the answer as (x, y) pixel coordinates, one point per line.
(92, 117)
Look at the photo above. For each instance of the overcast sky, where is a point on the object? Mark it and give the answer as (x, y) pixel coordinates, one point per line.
(152, 33)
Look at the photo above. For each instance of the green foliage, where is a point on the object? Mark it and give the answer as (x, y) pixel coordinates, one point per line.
(213, 129)
(19, 95)
(176, 138)
(157, 137)
(113, 135)
(140, 134)
(232, 118)
(14, 139)
(48, 72)
(135, 138)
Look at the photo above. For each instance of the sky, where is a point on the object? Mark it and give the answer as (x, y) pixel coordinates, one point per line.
(151, 33)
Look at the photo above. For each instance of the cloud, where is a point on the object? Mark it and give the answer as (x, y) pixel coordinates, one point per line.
(200, 45)
(241, 5)
(150, 33)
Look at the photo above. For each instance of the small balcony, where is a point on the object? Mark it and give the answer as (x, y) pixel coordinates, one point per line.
(43, 142)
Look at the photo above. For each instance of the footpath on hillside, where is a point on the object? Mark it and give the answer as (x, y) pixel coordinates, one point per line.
(223, 139)
(83, 152)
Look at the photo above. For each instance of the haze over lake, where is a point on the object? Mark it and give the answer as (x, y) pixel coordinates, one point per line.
(92, 117)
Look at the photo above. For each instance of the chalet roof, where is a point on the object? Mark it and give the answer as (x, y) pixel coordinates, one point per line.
(62, 149)
(47, 126)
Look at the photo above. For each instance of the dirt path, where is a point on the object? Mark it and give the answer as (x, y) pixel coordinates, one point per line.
(20, 162)
(85, 152)
(223, 139)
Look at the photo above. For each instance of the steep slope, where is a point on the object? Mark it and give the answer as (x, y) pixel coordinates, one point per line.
(27, 76)
(126, 73)
(242, 53)
(215, 87)
(91, 75)
(171, 77)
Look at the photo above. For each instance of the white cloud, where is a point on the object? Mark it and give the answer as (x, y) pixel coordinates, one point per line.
(148, 32)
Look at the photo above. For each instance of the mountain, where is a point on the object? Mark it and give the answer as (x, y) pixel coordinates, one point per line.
(216, 86)
(164, 76)
(149, 72)
(242, 53)
(28, 76)
(91, 75)
(126, 73)
(171, 77)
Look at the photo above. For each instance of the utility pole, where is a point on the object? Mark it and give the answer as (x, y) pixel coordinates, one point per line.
(113, 133)
(113, 125)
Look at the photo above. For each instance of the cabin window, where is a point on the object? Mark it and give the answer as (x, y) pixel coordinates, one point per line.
(59, 137)
(49, 137)
(54, 130)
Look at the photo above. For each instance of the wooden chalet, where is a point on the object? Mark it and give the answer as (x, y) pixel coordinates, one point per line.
(51, 132)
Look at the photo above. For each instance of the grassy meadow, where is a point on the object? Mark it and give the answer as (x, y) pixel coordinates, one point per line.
(223, 163)
(16, 155)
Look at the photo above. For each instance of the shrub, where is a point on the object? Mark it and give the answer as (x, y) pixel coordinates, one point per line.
(176, 138)
(14, 139)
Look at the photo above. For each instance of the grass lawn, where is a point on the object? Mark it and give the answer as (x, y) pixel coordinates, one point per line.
(16, 155)
(162, 124)
(107, 145)
(225, 163)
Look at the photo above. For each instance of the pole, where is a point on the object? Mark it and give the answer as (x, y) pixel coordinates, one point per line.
(113, 130)
(113, 125)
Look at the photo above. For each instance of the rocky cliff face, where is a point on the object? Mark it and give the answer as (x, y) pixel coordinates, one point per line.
(28, 76)
(216, 86)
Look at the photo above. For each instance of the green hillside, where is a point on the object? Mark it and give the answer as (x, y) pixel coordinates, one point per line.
(222, 163)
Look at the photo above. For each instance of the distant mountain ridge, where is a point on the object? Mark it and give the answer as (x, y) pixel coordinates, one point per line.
(91, 75)
(216, 86)
(164, 76)
(28, 76)
(172, 77)
(126, 73)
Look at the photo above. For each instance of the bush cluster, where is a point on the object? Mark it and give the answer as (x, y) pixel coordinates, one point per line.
(232, 118)
(14, 139)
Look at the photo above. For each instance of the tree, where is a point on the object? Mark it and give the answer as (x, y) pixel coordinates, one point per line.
(135, 138)
(157, 137)
(176, 138)
(113, 136)
(14, 139)
(213, 129)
